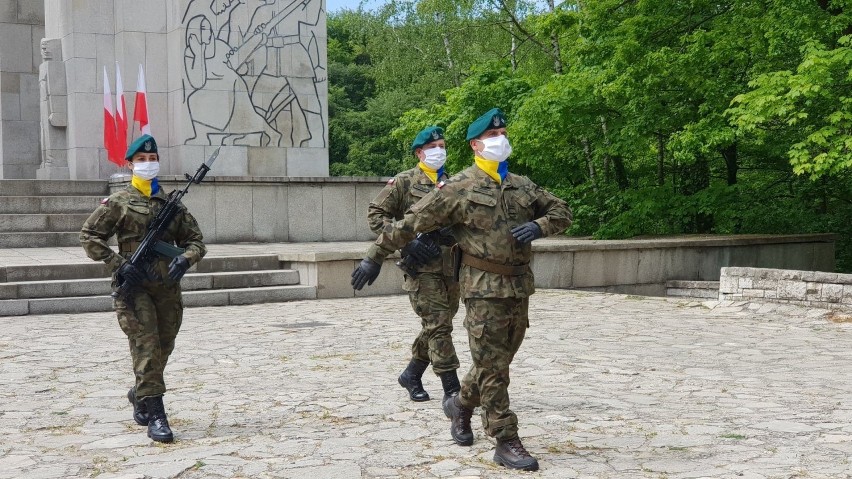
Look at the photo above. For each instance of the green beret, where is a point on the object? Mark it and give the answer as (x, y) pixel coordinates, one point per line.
(492, 119)
(143, 144)
(427, 135)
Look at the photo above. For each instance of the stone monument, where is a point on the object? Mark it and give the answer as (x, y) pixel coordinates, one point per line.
(54, 112)
(245, 75)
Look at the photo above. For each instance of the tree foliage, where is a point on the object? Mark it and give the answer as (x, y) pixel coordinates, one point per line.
(650, 117)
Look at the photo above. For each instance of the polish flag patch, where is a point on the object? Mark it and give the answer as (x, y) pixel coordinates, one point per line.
(105, 200)
(441, 184)
(392, 181)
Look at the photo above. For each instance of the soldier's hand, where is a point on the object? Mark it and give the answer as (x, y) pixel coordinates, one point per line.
(527, 232)
(178, 267)
(365, 273)
(130, 275)
(420, 251)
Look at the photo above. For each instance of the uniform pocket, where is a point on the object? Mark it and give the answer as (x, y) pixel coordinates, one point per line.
(476, 330)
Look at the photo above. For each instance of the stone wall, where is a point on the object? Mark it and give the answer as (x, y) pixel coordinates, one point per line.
(21, 31)
(275, 209)
(804, 288)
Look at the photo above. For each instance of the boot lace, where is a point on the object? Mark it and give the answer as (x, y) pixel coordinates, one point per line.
(517, 447)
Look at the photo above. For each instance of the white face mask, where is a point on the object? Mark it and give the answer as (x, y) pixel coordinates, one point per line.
(434, 157)
(496, 148)
(147, 170)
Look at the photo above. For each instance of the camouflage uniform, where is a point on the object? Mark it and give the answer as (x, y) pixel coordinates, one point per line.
(152, 324)
(433, 294)
(495, 276)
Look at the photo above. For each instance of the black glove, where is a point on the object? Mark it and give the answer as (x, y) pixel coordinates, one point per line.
(130, 275)
(421, 251)
(527, 232)
(365, 273)
(178, 267)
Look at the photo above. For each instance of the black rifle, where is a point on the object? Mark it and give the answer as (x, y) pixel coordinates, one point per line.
(433, 241)
(145, 256)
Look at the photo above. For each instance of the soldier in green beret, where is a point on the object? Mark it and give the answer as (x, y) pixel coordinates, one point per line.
(432, 290)
(495, 215)
(152, 319)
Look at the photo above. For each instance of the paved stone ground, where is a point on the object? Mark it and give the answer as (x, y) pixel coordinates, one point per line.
(606, 386)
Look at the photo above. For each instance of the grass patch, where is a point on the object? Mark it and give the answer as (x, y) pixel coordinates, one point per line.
(738, 437)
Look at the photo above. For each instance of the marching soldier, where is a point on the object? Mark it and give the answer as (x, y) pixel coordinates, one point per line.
(495, 216)
(152, 317)
(433, 292)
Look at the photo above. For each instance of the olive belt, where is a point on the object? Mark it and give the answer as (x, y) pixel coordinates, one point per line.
(489, 267)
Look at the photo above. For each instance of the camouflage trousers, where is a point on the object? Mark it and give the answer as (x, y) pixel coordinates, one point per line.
(151, 326)
(495, 329)
(436, 301)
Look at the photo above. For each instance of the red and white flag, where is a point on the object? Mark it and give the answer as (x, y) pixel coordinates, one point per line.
(140, 113)
(120, 115)
(109, 125)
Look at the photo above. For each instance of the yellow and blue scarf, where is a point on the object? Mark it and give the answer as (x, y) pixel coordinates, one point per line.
(146, 187)
(495, 169)
(432, 174)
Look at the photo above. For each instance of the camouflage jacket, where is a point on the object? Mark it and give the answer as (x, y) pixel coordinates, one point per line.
(482, 214)
(400, 194)
(126, 214)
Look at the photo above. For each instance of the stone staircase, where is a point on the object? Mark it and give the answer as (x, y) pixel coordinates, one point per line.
(693, 289)
(85, 287)
(45, 213)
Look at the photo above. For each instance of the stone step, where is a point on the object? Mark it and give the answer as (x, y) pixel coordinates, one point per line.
(190, 282)
(46, 239)
(32, 223)
(54, 188)
(692, 289)
(92, 269)
(49, 204)
(219, 297)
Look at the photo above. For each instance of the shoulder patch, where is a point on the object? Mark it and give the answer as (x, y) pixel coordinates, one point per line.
(105, 200)
(392, 181)
(440, 184)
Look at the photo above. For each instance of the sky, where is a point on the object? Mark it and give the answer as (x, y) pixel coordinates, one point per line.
(335, 5)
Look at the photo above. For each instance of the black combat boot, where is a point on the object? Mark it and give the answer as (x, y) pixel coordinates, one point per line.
(459, 420)
(158, 426)
(450, 381)
(140, 410)
(511, 453)
(410, 379)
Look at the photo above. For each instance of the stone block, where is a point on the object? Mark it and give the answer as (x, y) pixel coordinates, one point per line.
(728, 284)
(84, 76)
(339, 218)
(651, 268)
(267, 161)
(10, 106)
(269, 213)
(310, 162)
(752, 293)
(553, 270)
(158, 115)
(273, 294)
(201, 202)
(194, 299)
(604, 268)
(14, 307)
(364, 193)
(232, 161)
(136, 16)
(20, 143)
(304, 210)
(31, 12)
(93, 16)
(793, 290)
(832, 293)
(70, 305)
(83, 132)
(15, 47)
(174, 55)
(333, 279)
(8, 11)
(156, 63)
(681, 263)
(57, 19)
(30, 106)
(233, 214)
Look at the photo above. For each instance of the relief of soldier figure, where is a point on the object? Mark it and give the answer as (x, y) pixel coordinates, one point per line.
(251, 72)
